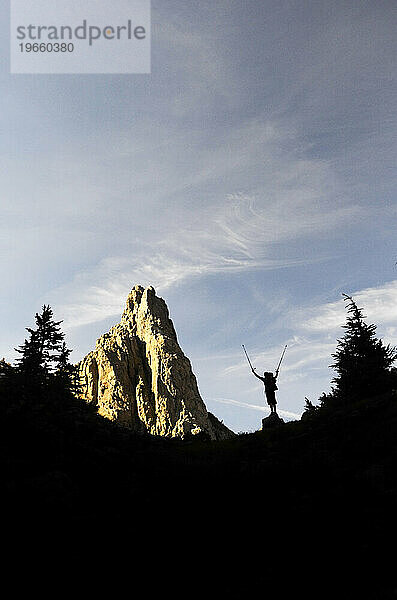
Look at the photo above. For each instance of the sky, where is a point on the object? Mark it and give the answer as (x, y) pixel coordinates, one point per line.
(250, 178)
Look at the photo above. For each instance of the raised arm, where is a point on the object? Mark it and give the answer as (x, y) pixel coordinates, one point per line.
(256, 375)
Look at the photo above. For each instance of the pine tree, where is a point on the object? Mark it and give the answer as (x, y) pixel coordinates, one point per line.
(43, 374)
(362, 362)
(41, 351)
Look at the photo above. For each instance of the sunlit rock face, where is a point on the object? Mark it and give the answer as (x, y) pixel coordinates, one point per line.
(138, 375)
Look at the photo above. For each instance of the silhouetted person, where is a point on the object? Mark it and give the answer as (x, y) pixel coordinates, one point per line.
(270, 388)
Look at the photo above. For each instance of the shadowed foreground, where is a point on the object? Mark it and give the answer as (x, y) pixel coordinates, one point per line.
(308, 507)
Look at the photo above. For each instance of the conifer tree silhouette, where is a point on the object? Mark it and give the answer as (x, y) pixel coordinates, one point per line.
(42, 374)
(41, 352)
(361, 360)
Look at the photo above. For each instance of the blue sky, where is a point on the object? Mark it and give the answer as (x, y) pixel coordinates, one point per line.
(250, 178)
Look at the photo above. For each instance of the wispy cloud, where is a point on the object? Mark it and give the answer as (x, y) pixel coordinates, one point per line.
(379, 306)
(262, 409)
(235, 236)
(302, 353)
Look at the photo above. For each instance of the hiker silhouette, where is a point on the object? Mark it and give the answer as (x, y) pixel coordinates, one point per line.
(269, 381)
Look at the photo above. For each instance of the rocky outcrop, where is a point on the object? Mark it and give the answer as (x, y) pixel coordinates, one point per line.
(139, 377)
(272, 421)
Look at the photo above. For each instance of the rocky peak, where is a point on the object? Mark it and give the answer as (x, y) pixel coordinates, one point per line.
(139, 376)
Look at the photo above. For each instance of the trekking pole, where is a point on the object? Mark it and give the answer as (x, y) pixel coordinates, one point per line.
(249, 362)
(281, 359)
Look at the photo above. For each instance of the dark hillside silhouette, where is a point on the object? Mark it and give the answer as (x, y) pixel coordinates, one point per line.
(306, 509)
